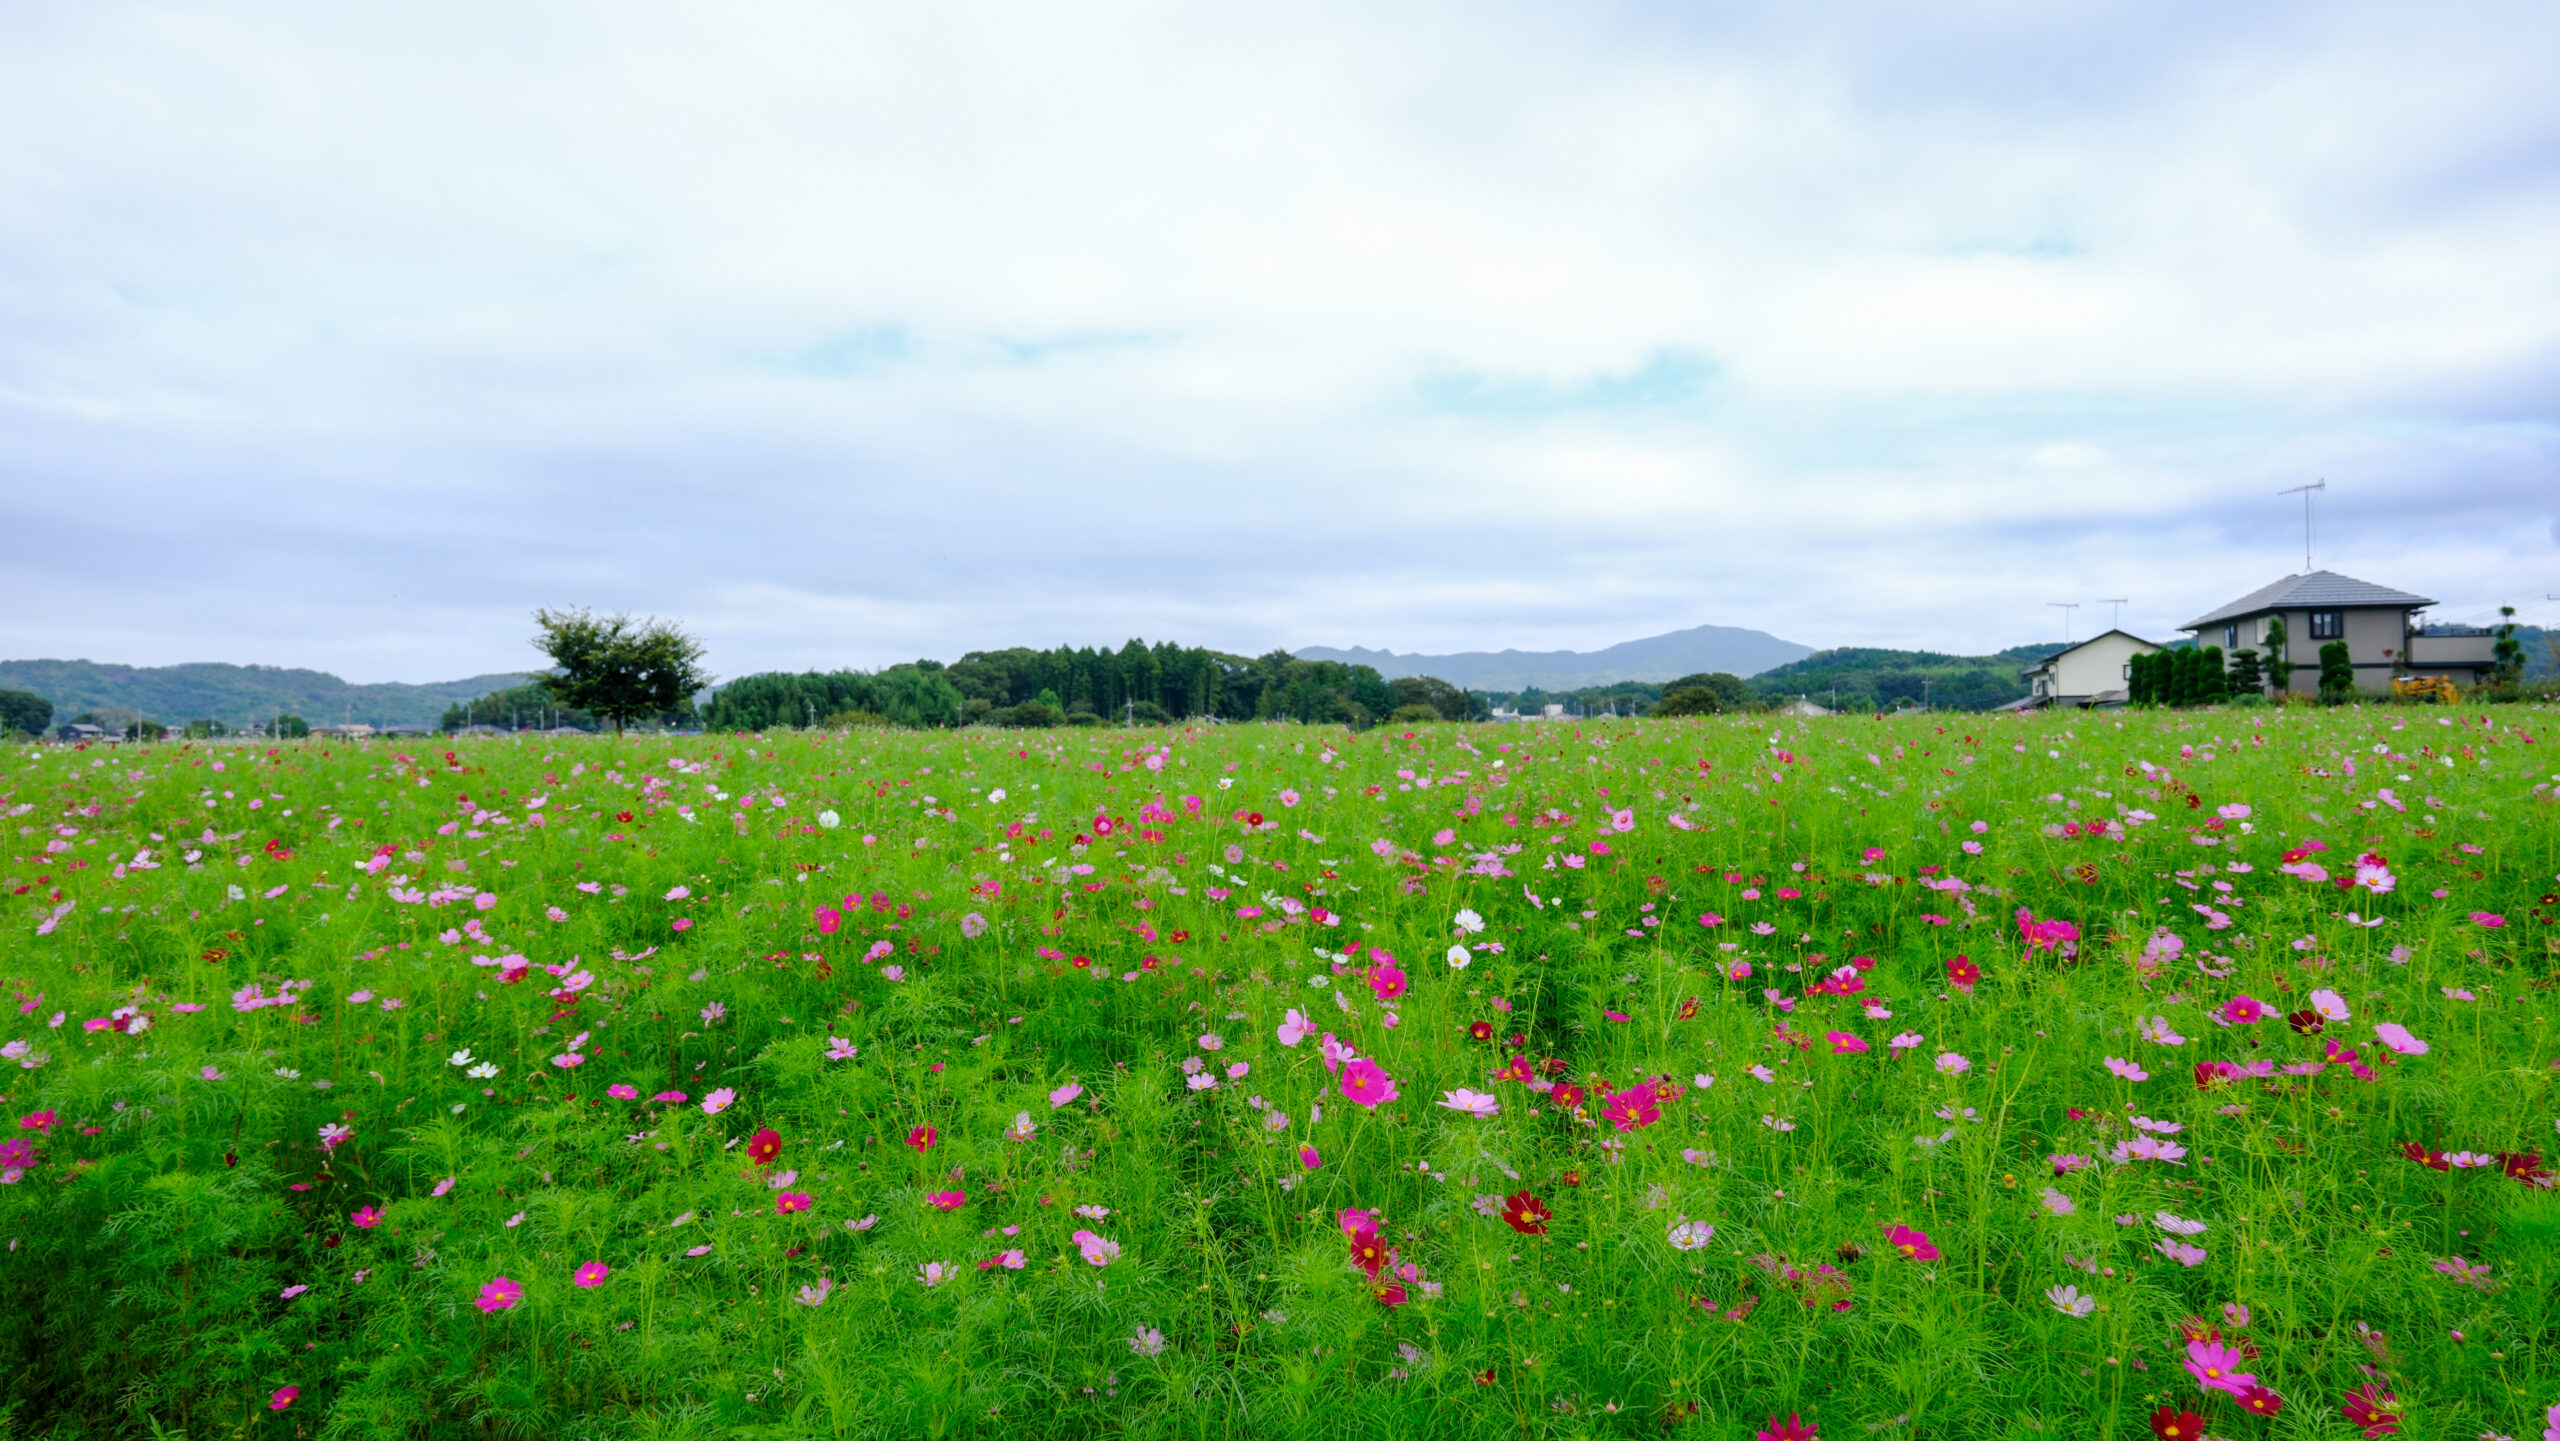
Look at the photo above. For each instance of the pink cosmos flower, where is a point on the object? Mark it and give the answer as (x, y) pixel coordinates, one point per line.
(789, 1202)
(922, 1138)
(592, 1274)
(946, 1200)
(2487, 920)
(1295, 1027)
(1470, 1103)
(2188, 1255)
(283, 1397)
(2127, 1069)
(367, 1217)
(1064, 1094)
(500, 1295)
(1914, 1244)
(934, 1273)
(1098, 1250)
(1011, 1260)
(1308, 1158)
(1363, 1082)
(2242, 1011)
(2397, 1037)
(1843, 1044)
(669, 1098)
(2216, 1367)
(1634, 1108)
(1386, 982)
(718, 1101)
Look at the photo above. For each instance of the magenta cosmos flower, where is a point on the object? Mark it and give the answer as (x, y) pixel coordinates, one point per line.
(946, 1200)
(592, 1274)
(500, 1294)
(366, 1218)
(284, 1397)
(790, 1201)
(1914, 1244)
(1364, 1083)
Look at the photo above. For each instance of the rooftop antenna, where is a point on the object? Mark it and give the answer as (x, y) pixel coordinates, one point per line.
(2305, 492)
(2066, 607)
(2116, 615)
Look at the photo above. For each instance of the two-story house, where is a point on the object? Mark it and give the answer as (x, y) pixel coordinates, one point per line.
(2379, 625)
(2096, 672)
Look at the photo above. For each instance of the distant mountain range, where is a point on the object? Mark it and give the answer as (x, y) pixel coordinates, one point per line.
(1703, 648)
(236, 695)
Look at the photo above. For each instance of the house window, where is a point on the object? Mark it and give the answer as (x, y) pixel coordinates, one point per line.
(2328, 624)
(2231, 636)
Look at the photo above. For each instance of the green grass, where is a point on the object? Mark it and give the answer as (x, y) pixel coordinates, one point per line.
(151, 1240)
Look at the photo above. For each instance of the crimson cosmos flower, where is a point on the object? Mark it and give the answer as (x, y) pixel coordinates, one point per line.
(2171, 1424)
(1526, 1214)
(766, 1145)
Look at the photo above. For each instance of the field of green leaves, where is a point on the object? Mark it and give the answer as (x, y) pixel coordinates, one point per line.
(2177, 1074)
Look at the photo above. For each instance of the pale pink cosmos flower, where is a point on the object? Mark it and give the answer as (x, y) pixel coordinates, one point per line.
(2397, 1037)
(934, 1273)
(1295, 1027)
(2181, 1252)
(718, 1101)
(1098, 1250)
(1470, 1103)
(2127, 1069)
(2330, 1004)
(1951, 1064)
(1064, 1095)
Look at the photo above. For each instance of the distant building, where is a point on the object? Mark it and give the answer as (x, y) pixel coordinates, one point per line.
(2379, 625)
(355, 732)
(75, 733)
(2096, 672)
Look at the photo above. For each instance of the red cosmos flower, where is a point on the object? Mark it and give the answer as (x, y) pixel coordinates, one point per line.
(1794, 1428)
(2259, 1401)
(2426, 1156)
(1102, 825)
(2306, 1022)
(1689, 1009)
(2372, 1407)
(1485, 1379)
(1481, 1030)
(766, 1145)
(1568, 1096)
(1368, 1252)
(1389, 1292)
(922, 1138)
(1962, 973)
(1571, 1178)
(2171, 1424)
(623, 816)
(1913, 1244)
(1526, 1214)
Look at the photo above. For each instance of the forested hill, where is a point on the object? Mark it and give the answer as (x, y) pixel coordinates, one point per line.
(236, 695)
(1868, 678)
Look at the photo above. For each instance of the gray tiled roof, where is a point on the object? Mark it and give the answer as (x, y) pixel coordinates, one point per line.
(2321, 589)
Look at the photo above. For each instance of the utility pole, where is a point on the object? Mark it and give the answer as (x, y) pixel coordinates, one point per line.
(2305, 492)
(2066, 607)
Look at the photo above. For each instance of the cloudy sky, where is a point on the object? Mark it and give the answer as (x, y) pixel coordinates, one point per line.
(344, 336)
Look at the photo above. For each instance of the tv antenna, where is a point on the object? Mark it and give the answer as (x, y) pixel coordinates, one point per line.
(2115, 615)
(2305, 492)
(2066, 607)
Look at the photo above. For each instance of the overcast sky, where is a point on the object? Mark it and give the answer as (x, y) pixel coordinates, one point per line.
(344, 336)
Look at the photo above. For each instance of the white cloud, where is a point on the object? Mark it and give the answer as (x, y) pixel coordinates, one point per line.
(345, 337)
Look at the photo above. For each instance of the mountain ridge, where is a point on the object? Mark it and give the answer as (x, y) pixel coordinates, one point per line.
(1668, 656)
(237, 695)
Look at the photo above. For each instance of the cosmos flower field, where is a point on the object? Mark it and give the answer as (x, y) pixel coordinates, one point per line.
(1950, 1076)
